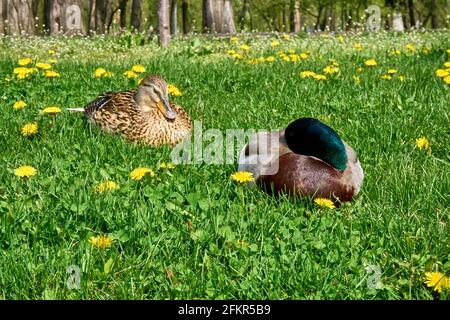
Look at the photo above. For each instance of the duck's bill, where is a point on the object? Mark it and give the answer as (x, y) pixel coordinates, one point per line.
(167, 110)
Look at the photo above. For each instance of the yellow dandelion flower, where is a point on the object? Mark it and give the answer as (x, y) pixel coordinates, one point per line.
(386, 77)
(168, 166)
(29, 129)
(25, 171)
(285, 58)
(22, 76)
(275, 43)
(401, 78)
(139, 173)
(396, 52)
(426, 50)
(448, 51)
(437, 280)
(447, 79)
(19, 104)
(323, 202)
(242, 243)
(330, 70)
(25, 61)
(340, 38)
(447, 64)
(51, 74)
(51, 110)
(291, 51)
(245, 47)
(51, 51)
(294, 57)
(102, 241)
(320, 77)
(410, 47)
(99, 72)
(43, 65)
(285, 37)
(233, 40)
(441, 73)
(174, 91)
(130, 74)
(242, 177)
(370, 62)
(23, 70)
(139, 68)
(307, 74)
(52, 60)
(237, 56)
(358, 46)
(106, 186)
(423, 143)
(357, 79)
(270, 59)
(334, 63)
(304, 55)
(231, 52)
(392, 71)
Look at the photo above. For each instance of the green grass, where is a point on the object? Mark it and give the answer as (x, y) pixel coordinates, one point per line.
(294, 250)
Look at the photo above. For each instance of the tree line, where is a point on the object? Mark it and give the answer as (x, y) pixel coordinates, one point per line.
(172, 17)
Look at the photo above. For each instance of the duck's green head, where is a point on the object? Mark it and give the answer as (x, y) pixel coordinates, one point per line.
(310, 137)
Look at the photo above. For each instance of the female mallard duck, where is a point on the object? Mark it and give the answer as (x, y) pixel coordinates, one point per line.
(143, 115)
(306, 159)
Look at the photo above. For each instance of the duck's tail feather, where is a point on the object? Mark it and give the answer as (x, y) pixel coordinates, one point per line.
(76, 109)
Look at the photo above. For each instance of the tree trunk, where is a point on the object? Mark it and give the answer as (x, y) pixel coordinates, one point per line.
(285, 19)
(319, 15)
(64, 16)
(296, 18)
(100, 15)
(228, 25)
(136, 15)
(184, 14)
(164, 23)
(53, 16)
(208, 20)
(123, 14)
(35, 7)
(434, 16)
(2, 18)
(20, 17)
(217, 10)
(173, 17)
(218, 16)
(245, 7)
(412, 16)
(92, 13)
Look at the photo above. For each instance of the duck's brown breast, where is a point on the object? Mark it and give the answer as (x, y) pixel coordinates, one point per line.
(307, 176)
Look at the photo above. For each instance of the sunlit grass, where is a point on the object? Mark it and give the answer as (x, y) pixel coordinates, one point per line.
(220, 239)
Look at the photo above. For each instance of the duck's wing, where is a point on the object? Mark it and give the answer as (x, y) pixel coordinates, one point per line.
(110, 102)
(113, 111)
(260, 155)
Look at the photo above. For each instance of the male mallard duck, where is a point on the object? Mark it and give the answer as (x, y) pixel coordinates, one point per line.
(143, 115)
(307, 159)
